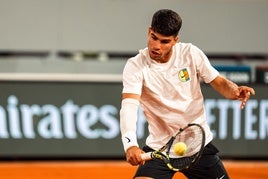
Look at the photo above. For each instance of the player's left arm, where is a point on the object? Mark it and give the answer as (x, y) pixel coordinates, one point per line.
(230, 90)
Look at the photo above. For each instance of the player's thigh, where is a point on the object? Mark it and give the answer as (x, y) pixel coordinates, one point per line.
(143, 178)
(209, 166)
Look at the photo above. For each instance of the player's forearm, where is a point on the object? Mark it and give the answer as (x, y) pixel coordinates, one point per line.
(225, 87)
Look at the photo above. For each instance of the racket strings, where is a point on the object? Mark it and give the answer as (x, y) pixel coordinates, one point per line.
(183, 163)
(192, 137)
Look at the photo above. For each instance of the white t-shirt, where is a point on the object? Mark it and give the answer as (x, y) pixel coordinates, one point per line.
(170, 92)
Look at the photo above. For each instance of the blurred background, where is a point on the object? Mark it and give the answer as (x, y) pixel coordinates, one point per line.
(60, 78)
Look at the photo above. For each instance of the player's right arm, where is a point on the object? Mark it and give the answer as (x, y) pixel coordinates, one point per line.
(128, 120)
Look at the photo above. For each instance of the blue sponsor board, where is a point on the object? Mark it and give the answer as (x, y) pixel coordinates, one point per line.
(239, 73)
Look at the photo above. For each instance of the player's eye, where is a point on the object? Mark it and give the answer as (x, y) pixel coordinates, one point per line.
(165, 41)
(154, 37)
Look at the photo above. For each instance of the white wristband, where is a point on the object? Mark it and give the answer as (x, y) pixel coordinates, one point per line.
(129, 139)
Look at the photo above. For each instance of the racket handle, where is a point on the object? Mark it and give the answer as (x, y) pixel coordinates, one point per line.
(146, 156)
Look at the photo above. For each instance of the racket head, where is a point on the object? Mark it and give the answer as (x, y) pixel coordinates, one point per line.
(193, 135)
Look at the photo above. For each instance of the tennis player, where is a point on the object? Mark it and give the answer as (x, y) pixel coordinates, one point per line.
(164, 79)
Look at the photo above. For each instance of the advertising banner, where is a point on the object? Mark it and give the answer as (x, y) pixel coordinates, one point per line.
(81, 120)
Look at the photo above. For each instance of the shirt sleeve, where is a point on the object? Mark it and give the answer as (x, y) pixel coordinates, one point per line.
(204, 68)
(132, 77)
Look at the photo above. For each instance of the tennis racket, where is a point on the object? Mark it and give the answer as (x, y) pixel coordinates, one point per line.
(193, 135)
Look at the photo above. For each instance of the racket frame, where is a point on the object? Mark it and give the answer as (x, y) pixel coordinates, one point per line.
(158, 154)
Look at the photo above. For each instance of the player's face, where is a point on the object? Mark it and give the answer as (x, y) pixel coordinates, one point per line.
(160, 47)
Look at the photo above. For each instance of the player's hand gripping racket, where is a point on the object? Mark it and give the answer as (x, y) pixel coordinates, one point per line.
(193, 135)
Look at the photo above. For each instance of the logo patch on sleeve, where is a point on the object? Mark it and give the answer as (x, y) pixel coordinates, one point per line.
(184, 75)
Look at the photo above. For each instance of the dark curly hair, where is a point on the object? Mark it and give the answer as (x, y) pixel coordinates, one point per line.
(166, 22)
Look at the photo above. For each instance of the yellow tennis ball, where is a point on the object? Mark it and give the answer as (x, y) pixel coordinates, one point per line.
(180, 148)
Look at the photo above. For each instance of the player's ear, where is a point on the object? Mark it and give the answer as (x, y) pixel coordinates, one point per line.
(149, 30)
(177, 39)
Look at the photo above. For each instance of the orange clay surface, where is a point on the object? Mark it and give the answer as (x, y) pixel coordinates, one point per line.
(109, 169)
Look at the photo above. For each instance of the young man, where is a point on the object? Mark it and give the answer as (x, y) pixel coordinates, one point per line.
(164, 79)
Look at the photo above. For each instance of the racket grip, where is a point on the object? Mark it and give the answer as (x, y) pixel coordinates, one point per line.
(146, 156)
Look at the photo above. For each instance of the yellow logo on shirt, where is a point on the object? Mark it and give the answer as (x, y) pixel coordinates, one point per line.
(184, 75)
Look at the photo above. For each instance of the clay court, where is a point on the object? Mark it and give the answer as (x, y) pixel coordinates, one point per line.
(109, 169)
